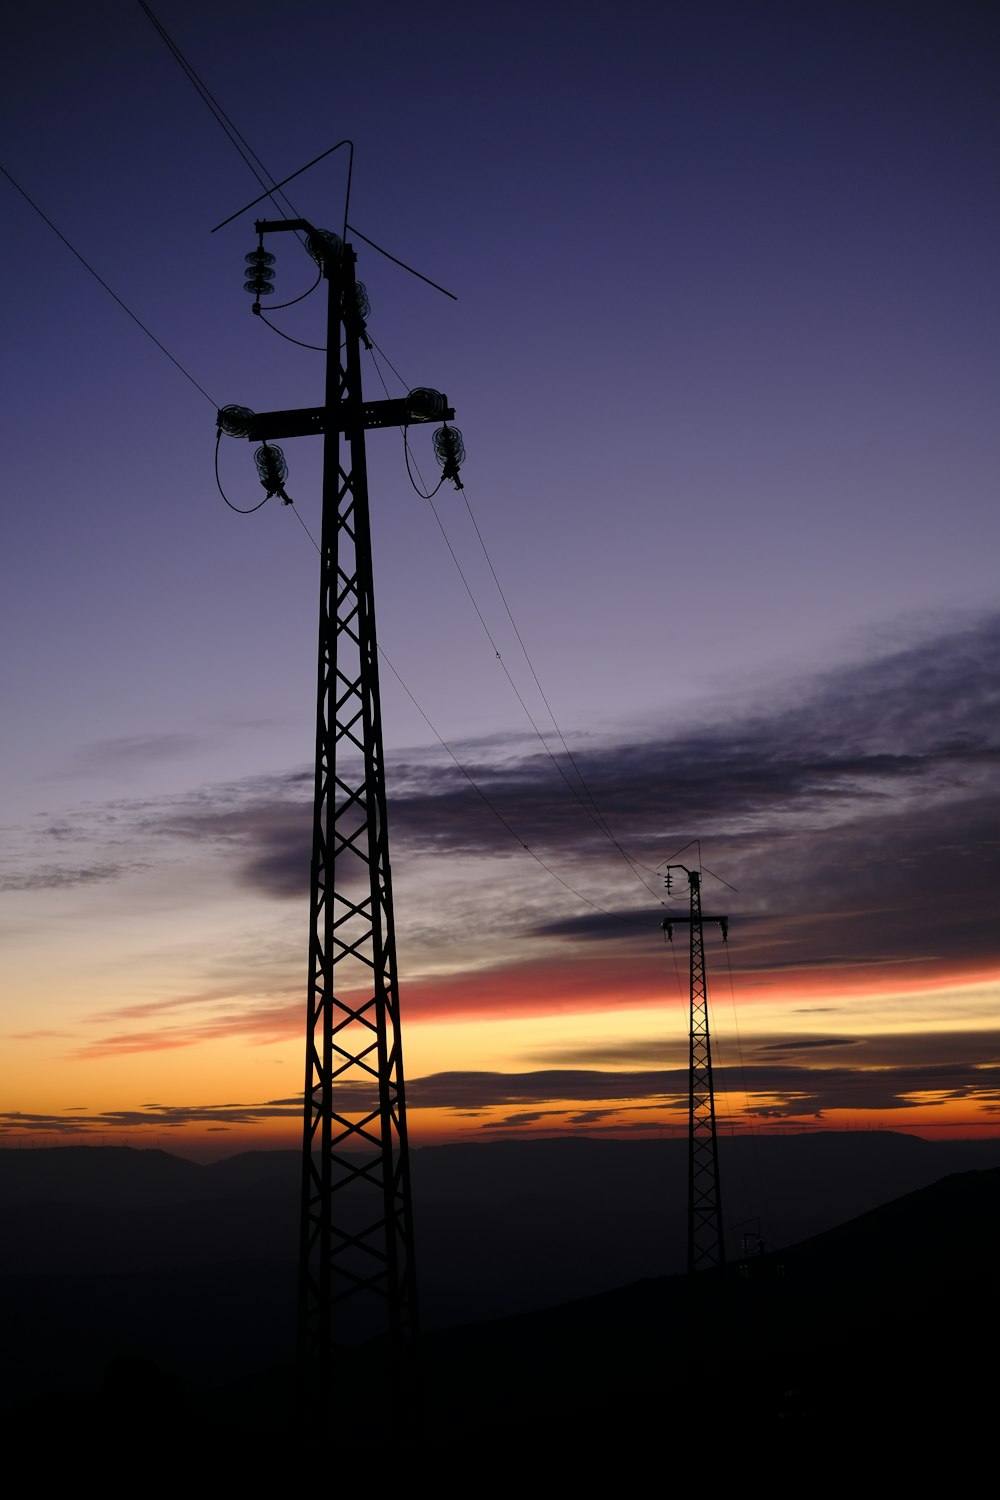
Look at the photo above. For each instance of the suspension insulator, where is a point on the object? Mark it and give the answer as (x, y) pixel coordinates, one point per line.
(235, 421)
(364, 306)
(272, 468)
(425, 405)
(450, 452)
(448, 446)
(259, 276)
(325, 247)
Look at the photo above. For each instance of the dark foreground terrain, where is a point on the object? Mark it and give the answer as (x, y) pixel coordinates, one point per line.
(148, 1312)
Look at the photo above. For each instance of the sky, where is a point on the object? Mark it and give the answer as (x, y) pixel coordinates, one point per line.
(719, 590)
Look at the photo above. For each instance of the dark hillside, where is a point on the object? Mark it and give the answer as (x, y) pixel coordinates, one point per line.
(543, 1298)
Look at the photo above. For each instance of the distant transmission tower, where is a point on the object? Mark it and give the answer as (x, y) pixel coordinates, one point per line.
(706, 1244)
(356, 1274)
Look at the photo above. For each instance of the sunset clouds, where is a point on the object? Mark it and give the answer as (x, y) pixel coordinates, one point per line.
(720, 588)
(854, 816)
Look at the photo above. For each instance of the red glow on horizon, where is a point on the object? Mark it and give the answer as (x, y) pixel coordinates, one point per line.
(556, 985)
(444, 1126)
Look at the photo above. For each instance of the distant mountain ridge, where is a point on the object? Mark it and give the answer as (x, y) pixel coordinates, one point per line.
(113, 1248)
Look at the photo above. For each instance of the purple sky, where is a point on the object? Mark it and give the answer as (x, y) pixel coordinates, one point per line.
(725, 359)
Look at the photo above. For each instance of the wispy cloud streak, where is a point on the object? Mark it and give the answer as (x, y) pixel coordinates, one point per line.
(856, 813)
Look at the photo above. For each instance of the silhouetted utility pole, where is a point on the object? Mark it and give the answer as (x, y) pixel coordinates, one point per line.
(356, 1274)
(706, 1245)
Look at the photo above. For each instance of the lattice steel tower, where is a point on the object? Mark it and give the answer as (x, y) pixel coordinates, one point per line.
(356, 1275)
(706, 1244)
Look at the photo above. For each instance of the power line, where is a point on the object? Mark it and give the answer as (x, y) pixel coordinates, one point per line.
(596, 814)
(282, 334)
(424, 494)
(87, 266)
(401, 263)
(746, 1092)
(591, 812)
(242, 145)
(235, 137)
(389, 362)
(589, 806)
(279, 306)
(548, 868)
(475, 785)
(692, 843)
(239, 509)
(298, 173)
(250, 158)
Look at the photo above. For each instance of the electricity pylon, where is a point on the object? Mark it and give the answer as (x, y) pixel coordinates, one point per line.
(356, 1272)
(706, 1244)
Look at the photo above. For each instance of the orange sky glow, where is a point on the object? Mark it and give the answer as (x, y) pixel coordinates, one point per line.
(485, 1053)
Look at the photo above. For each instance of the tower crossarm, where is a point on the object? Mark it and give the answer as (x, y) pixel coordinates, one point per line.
(315, 421)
